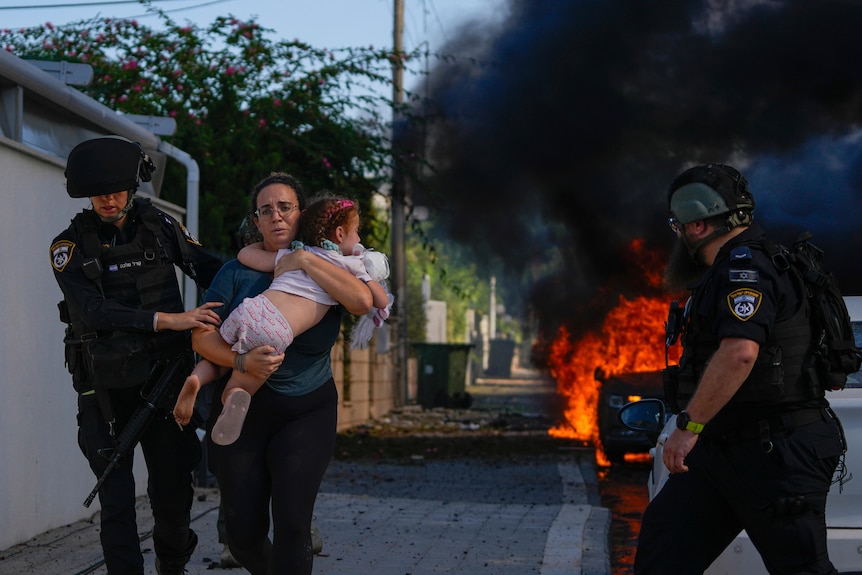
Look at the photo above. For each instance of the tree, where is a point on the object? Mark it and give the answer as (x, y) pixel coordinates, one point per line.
(244, 106)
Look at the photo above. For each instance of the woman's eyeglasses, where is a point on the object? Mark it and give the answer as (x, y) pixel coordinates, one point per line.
(267, 211)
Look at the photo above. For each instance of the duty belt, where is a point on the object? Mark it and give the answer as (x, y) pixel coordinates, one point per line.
(762, 429)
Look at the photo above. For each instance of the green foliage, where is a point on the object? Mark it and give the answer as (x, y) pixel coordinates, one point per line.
(454, 278)
(244, 106)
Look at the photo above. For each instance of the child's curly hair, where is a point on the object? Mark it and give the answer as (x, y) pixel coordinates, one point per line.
(322, 215)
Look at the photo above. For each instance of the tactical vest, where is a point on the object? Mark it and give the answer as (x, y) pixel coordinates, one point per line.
(779, 375)
(139, 274)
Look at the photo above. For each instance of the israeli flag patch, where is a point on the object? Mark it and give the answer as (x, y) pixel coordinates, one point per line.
(744, 276)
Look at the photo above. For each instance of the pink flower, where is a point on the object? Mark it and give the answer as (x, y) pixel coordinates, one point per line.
(327, 163)
(172, 113)
(230, 71)
(130, 65)
(276, 102)
(262, 123)
(49, 26)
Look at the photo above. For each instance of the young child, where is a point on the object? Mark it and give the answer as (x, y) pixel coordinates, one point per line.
(292, 304)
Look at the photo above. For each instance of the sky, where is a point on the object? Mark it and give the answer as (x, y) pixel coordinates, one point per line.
(322, 23)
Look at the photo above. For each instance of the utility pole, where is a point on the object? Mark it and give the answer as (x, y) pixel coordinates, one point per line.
(398, 203)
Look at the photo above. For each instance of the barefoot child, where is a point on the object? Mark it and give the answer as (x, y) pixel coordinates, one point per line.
(292, 304)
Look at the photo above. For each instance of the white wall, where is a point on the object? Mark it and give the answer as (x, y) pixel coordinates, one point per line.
(44, 478)
(435, 326)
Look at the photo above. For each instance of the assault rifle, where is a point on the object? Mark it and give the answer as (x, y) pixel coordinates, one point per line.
(167, 377)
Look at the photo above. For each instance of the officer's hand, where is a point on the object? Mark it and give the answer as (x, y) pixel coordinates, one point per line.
(262, 361)
(202, 316)
(677, 446)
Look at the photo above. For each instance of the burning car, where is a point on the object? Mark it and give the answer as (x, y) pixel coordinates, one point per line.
(843, 505)
(616, 391)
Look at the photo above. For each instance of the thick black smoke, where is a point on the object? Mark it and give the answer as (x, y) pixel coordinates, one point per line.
(555, 145)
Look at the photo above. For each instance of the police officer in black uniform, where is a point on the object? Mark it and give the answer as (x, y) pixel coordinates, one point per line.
(115, 265)
(757, 444)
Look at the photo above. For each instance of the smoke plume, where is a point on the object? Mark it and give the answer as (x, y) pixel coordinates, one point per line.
(555, 143)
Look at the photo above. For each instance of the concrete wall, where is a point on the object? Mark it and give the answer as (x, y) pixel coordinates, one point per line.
(366, 384)
(43, 476)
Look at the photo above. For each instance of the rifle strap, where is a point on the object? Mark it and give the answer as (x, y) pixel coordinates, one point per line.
(104, 399)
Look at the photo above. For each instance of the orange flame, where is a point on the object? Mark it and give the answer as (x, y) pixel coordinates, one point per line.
(630, 340)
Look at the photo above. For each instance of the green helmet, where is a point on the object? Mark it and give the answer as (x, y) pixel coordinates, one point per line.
(710, 190)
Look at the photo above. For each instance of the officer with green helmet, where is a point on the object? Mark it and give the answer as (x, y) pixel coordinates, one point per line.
(756, 443)
(116, 267)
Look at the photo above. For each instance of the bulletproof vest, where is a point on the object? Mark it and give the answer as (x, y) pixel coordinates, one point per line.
(778, 375)
(138, 273)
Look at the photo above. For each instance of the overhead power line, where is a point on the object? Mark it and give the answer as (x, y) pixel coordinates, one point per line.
(88, 4)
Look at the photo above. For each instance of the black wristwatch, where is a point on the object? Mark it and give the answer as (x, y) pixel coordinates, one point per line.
(684, 422)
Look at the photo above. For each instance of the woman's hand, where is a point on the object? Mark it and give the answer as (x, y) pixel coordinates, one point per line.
(290, 261)
(261, 362)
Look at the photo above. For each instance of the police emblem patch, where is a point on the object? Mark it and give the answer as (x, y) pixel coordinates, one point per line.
(189, 237)
(61, 253)
(744, 303)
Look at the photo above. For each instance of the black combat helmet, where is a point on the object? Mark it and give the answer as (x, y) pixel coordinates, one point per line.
(105, 166)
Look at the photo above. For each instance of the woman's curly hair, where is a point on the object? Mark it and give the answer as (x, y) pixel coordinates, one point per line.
(324, 213)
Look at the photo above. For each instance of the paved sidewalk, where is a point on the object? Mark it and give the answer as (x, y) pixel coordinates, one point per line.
(455, 516)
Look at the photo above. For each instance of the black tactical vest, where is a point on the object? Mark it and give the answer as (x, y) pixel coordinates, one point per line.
(779, 375)
(139, 274)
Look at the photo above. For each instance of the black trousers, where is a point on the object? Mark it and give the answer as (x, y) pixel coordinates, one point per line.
(171, 456)
(776, 494)
(277, 464)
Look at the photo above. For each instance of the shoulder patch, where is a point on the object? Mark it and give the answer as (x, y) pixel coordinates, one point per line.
(61, 254)
(744, 303)
(740, 253)
(744, 276)
(189, 237)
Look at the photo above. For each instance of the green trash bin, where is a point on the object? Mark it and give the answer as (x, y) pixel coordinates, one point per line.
(442, 374)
